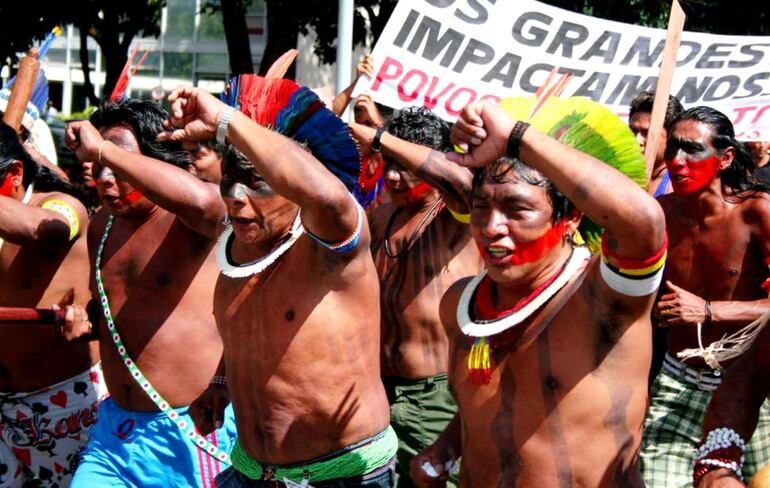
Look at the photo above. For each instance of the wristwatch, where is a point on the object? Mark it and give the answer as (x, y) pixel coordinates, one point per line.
(376, 145)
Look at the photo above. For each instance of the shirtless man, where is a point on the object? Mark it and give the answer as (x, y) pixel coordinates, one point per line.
(299, 322)
(152, 243)
(639, 116)
(718, 222)
(44, 381)
(559, 345)
(419, 250)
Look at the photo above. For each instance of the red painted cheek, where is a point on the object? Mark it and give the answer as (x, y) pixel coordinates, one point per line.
(131, 197)
(418, 191)
(699, 174)
(7, 187)
(529, 252)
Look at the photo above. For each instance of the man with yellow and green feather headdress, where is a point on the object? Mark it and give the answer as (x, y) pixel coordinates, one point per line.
(549, 346)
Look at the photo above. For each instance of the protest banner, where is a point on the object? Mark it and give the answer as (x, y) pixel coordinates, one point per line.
(443, 54)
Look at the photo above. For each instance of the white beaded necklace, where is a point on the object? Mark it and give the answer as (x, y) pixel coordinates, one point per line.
(235, 270)
(487, 328)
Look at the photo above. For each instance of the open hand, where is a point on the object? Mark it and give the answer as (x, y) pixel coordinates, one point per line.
(208, 410)
(680, 307)
(482, 132)
(193, 116)
(83, 139)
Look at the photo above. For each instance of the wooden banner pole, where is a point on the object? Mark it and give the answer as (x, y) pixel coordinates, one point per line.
(673, 37)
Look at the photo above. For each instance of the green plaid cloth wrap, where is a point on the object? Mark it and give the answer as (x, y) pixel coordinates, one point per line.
(359, 459)
(673, 430)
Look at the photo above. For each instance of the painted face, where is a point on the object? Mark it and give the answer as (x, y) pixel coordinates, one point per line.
(692, 162)
(6, 189)
(258, 215)
(511, 224)
(404, 187)
(119, 197)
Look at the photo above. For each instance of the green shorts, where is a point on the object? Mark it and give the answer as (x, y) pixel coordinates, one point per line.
(673, 430)
(419, 411)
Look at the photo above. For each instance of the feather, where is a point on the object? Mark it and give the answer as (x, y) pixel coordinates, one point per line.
(297, 112)
(125, 76)
(588, 127)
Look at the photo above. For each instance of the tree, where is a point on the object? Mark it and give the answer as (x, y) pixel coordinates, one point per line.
(236, 32)
(112, 24)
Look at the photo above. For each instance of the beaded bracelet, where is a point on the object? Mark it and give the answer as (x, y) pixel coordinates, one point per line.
(723, 449)
(218, 380)
(514, 139)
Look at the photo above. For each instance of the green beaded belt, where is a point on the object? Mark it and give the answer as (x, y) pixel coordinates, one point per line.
(357, 460)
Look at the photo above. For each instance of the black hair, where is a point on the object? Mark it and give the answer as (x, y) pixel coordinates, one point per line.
(644, 101)
(44, 178)
(508, 169)
(738, 179)
(145, 119)
(421, 126)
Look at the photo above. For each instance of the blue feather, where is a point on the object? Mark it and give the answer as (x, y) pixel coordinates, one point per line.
(232, 92)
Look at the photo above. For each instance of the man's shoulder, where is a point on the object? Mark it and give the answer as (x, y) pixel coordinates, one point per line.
(42, 198)
(379, 216)
(756, 205)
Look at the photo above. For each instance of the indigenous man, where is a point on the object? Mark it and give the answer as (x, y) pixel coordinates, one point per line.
(49, 388)
(152, 243)
(552, 389)
(297, 311)
(718, 222)
(206, 159)
(639, 116)
(419, 250)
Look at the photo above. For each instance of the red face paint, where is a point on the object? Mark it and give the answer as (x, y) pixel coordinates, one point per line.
(6, 189)
(417, 192)
(371, 172)
(689, 175)
(531, 251)
(130, 197)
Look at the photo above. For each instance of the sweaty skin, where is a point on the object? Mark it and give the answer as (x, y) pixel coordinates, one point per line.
(567, 397)
(40, 267)
(301, 338)
(717, 249)
(429, 250)
(157, 269)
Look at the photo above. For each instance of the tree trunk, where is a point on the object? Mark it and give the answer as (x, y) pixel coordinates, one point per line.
(84, 65)
(115, 57)
(237, 35)
(282, 35)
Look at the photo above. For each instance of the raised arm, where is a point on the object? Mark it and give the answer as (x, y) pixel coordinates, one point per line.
(452, 180)
(196, 203)
(633, 220)
(328, 209)
(364, 67)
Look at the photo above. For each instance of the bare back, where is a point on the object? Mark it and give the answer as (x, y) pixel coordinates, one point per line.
(422, 265)
(719, 257)
(158, 275)
(302, 351)
(40, 278)
(567, 408)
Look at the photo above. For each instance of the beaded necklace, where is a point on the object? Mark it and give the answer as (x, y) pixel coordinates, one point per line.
(187, 428)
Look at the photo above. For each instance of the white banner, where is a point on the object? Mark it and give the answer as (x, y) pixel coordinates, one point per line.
(443, 54)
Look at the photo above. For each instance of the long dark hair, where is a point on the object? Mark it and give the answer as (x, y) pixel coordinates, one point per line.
(739, 179)
(45, 180)
(145, 119)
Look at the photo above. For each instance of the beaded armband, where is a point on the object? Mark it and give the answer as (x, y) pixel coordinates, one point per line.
(723, 449)
(65, 209)
(349, 242)
(218, 380)
(635, 278)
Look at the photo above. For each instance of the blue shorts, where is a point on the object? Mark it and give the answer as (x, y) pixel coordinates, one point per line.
(147, 449)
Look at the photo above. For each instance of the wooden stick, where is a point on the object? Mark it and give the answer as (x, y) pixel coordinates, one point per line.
(673, 37)
(30, 315)
(22, 90)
